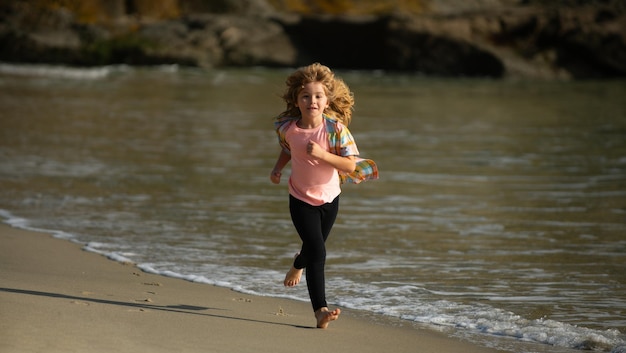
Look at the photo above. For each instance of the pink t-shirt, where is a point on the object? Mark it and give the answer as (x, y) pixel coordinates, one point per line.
(312, 181)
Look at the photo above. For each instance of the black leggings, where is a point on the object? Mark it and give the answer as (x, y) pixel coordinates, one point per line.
(313, 224)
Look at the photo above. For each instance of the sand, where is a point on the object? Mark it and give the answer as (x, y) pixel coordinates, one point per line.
(55, 297)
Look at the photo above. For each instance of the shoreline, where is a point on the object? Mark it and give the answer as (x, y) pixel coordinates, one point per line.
(56, 297)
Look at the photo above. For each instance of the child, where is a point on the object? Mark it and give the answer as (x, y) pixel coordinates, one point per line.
(313, 135)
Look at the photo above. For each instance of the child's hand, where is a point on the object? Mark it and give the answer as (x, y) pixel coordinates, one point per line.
(315, 150)
(275, 176)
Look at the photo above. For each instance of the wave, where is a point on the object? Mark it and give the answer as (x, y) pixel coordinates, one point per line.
(470, 321)
(70, 72)
(56, 71)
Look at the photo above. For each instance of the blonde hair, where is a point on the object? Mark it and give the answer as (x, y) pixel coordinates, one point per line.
(340, 99)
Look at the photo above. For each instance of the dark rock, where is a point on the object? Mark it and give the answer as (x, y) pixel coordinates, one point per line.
(423, 52)
(434, 51)
(538, 40)
(388, 43)
(584, 42)
(220, 40)
(355, 43)
(174, 42)
(242, 8)
(254, 41)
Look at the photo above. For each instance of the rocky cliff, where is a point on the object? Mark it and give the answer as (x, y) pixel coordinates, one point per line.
(493, 38)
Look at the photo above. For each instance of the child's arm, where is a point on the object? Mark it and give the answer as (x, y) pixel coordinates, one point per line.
(345, 164)
(281, 162)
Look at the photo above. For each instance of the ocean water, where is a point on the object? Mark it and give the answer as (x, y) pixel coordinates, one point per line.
(499, 217)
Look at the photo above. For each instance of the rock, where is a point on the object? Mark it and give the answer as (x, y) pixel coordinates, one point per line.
(220, 40)
(435, 50)
(394, 43)
(242, 8)
(39, 37)
(254, 42)
(340, 42)
(488, 38)
(174, 42)
(585, 42)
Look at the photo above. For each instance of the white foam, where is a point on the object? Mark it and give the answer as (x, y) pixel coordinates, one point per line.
(22, 223)
(64, 72)
(497, 323)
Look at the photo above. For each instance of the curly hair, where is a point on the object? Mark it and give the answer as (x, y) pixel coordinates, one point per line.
(340, 98)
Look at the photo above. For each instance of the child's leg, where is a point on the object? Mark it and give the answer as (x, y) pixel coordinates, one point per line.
(313, 224)
(307, 220)
(329, 215)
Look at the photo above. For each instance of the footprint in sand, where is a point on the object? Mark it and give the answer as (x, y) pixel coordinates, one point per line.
(243, 300)
(156, 284)
(281, 312)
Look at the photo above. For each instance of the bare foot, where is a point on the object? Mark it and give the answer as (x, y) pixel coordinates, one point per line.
(324, 317)
(293, 276)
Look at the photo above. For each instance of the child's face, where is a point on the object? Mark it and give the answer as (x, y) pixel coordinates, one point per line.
(312, 100)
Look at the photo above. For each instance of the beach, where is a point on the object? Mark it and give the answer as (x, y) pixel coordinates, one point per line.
(498, 219)
(55, 297)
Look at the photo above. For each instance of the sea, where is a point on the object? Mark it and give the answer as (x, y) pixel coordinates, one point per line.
(499, 216)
